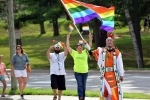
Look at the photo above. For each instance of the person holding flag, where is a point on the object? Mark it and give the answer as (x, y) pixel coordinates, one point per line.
(109, 60)
(57, 68)
(80, 58)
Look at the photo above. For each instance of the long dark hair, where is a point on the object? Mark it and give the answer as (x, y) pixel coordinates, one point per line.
(20, 48)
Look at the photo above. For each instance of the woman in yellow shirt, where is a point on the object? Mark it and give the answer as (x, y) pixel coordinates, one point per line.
(80, 58)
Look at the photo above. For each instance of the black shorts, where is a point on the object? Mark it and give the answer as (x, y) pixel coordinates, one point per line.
(58, 82)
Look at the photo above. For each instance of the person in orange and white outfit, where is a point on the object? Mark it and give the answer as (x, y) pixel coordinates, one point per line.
(2, 78)
(109, 60)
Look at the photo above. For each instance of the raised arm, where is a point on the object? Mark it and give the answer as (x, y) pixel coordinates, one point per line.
(65, 50)
(68, 43)
(49, 51)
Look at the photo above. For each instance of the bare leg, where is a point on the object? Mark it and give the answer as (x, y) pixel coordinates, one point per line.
(24, 83)
(55, 95)
(59, 94)
(4, 86)
(20, 84)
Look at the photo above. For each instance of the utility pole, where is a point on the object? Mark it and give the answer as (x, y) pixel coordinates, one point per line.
(12, 40)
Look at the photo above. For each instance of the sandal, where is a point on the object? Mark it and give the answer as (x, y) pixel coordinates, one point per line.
(54, 98)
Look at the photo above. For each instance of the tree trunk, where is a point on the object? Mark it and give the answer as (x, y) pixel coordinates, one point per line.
(55, 27)
(103, 36)
(134, 41)
(42, 28)
(96, 32)
(137, 29)
(12, 42)
(80, 27)
(18, 37)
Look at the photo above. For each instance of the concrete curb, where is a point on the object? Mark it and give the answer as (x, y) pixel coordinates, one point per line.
(92, 71)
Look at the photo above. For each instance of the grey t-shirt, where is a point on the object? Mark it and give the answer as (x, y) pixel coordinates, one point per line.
(19, 62)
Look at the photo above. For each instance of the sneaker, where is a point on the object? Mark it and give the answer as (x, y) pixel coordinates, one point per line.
(2, 95)
(21, 96)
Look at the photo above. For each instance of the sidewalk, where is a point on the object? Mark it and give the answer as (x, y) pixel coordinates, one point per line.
(49, 97)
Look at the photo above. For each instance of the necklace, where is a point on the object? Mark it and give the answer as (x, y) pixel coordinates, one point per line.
(57, 55)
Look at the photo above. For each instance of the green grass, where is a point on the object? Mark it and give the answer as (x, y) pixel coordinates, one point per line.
(31, 91)
(36, 45)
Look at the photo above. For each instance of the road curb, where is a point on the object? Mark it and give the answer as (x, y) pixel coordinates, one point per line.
(92, 71)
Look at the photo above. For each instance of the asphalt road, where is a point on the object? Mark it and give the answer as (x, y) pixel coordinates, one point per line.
(133, 81)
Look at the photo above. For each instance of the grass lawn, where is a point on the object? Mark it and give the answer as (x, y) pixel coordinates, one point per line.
(30, 91)
(36, 45)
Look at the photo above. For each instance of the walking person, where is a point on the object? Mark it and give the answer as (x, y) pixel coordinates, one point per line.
(111, 71)
(2, 78)
(80, 57)
(19, 64)
(57, 68)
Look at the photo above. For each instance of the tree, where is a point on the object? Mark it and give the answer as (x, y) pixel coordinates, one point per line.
(54, 12)
(33, 11)
(134, 39)
(12, 44)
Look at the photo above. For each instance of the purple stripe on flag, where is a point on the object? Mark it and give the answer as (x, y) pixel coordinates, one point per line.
(86, 18)
(107, 28)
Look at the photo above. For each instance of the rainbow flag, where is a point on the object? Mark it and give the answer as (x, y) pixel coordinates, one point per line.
(106, 15)
(61, 44)
(81, 12)
(71, 27)
(85, 28)
(80, 41)
(78, 12)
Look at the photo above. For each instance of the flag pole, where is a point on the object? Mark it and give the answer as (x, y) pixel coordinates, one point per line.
(78, 31)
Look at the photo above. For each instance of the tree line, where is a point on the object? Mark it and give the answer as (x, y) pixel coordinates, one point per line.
(128, 12)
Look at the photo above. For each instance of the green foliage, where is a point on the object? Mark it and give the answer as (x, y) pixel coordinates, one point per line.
(36, 45)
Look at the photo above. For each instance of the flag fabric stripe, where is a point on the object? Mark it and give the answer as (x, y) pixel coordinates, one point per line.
(107, 14)
(84, 19)
(108, 23)
(107, 28)
(77, 9)
(72, 5)
(110, 18)
(82, 13)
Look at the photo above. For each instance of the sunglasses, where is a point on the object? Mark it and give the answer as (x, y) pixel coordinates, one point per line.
(18, 49)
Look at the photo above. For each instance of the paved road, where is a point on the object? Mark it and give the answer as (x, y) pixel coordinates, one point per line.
(133, 81)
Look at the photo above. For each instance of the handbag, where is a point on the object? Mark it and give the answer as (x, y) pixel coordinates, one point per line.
(28, 68)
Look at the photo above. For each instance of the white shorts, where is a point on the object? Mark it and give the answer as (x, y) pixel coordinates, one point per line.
(20, 73)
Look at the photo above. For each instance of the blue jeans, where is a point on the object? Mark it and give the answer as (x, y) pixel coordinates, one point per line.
(81, 83)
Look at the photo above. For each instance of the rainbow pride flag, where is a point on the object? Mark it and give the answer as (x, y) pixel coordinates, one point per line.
(85, 28)
(80, 41)
(81, 12)
(106, 15)
(61, 44)
(71, 27)
(78, 12)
